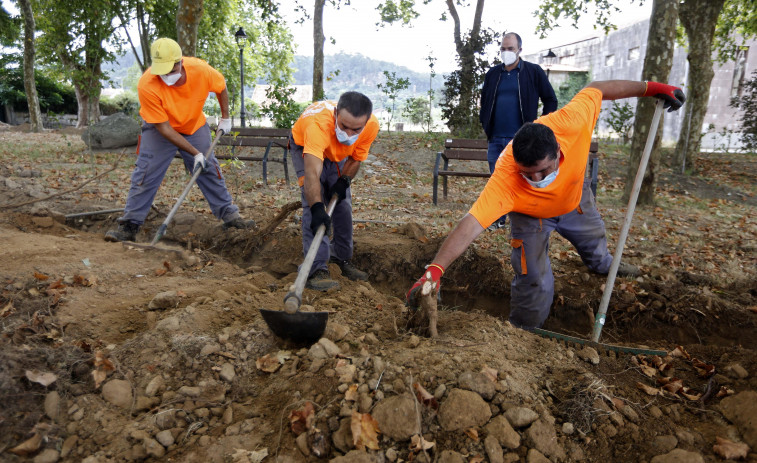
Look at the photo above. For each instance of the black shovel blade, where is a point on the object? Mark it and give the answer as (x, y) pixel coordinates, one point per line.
(300, 327)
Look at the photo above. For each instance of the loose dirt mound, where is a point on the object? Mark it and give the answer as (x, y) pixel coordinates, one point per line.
(117, 353)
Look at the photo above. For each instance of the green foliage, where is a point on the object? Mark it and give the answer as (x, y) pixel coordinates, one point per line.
(747, 103)
(462, 90)
(549, 13)
(281, 108)
(391, 89)
(417, 111)
(572, 85)
(126, 102)
(53, 96)
(10, 28)
(620, 119)
(737, 21)
(391, 11)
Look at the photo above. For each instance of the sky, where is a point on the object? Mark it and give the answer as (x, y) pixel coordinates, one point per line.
(356, 32)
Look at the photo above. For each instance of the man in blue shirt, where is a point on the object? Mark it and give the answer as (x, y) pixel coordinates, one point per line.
(510, 97)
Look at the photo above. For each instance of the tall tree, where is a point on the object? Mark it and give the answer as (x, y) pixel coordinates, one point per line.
(318, 40)
(188, 17)
(657, 64)
(75, 33)
(30, 86)
(710, 25)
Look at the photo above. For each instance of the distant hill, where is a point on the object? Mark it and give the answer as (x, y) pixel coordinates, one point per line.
(356, 72)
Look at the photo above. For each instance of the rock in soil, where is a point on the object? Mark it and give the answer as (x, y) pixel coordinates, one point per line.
(397, 417)
(678, 456)
(462, 410)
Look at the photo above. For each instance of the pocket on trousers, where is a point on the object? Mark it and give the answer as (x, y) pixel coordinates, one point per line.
(140, 172)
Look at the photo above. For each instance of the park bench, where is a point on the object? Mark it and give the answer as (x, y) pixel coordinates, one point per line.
(464, 149)
(267, 138)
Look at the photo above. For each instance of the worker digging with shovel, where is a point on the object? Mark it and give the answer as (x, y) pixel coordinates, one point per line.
(328, 142)
(540, 181)
(172, 93)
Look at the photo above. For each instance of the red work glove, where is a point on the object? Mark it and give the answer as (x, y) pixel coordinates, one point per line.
(673, 96)
(432, 273)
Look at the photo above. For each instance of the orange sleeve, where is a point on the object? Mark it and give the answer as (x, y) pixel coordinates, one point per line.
(217, 82)
(150, 105)
(316, 141)
(364, 142)
(581, 111)
(497, 197)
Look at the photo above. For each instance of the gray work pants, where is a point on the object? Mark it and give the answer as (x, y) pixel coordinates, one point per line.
(155, 155)
(533, 284)
(340, 245)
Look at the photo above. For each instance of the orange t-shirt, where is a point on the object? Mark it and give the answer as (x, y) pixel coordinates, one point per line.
(314, 131)
(180, 106)
(507, 191)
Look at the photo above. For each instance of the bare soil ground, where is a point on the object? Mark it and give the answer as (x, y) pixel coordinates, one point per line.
(163, 355)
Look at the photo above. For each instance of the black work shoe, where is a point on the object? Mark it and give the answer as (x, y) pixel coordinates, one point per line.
(349, 270)
(628, 270)
(239, 223)
(321, 280)
(127, 231)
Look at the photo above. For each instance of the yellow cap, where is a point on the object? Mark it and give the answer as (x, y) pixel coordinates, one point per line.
(165, 53)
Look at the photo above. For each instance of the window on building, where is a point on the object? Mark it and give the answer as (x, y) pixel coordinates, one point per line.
(739, 70)
(609, 60)
(633, 53)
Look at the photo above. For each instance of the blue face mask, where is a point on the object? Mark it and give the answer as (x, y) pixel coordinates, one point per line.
(543, 182)
(342, 136)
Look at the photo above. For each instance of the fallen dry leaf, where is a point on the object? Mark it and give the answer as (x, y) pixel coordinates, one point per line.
(648, 389)
(476, 459)
(730, 450)
(679, 352)
(351, 393)
(419, 444)
(365, 431)
(28, 446)
(704, 370)
(268, 363)
(44, 378)
(160, 272)
(753, 308)
(472, 433)
(102, 366)
(40, 276)
(302, 419)
(7, 310)
(425, 397)
(724, 391)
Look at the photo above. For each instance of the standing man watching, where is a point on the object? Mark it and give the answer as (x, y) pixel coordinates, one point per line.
(510, 97)
(328, 143)
(172, 93)
(540, 181)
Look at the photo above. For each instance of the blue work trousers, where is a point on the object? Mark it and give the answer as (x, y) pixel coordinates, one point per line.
(155, 155)
(496, 146)
(533, 284)
(340, 245)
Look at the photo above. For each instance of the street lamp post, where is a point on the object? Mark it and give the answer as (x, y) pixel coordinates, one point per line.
(549, 60)
(241, 38)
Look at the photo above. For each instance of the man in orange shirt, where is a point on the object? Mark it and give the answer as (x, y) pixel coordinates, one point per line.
(172, 93)
(328, 143)
(540, 182)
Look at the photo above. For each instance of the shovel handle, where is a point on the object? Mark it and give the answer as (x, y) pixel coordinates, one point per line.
(599, 320)
(195, 174)
(294, 297)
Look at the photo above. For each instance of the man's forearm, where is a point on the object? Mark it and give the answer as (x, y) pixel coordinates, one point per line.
(617, 89)
(223, 102)
(458, 241)
(351, 168)
(313, 169)
(176, 138)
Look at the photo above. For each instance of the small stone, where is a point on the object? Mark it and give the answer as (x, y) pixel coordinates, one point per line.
(391, 455)
(336, 331)
(568, 429)
(204, 441)
(342, 438)
(153, 448)
(346, 373)
(500, 429)
(520, 417)
(145, 403)
(43, 222)
(371, 338)
(736, 371)
(228, 415)
(317, 352)
(678, 456)
(493, 449)
(190, 391)
(52, 405)
(589, 354)
(210, 348)
(655, 411)
(165, 438)
(477, 382)
(396, 417)
(227, 372)
(543, 438)
(154, 386)
(664, 444)
(439, 391)
(68, 445)
(164, 300)
(302, 444)
(414, 341)
(118, 393)
(328, 345)
(47, 456)
(165, 419)
(450, 456)
(535, 456)
(462, 410)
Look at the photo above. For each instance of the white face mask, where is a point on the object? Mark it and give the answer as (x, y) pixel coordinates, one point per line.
(171, 79)
(543, 182)
(508, 57)
(342, 136)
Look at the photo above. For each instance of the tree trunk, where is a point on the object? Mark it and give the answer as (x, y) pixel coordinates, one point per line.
(318, 40)
(30, 86)
(82, 101)
(188, 18)
(699, 18)
(657, 64)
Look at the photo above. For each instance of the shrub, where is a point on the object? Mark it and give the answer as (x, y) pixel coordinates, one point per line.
(748, 104)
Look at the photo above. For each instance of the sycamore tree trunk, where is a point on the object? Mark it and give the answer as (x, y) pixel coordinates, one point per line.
(30, 86)
(699, 18)
(318, 40)
(188, 18)
(657, 64)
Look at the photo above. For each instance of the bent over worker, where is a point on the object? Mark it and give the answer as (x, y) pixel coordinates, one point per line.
(172, 93)
(540, 181)
(328, 143)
